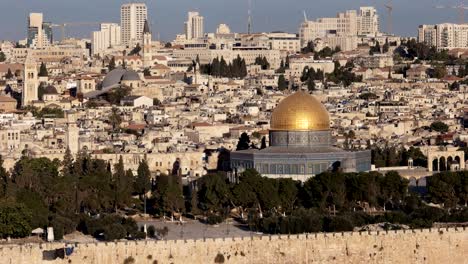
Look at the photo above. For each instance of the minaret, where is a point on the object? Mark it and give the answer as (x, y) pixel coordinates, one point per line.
(147, 40)
(72, 133)
(30, 81)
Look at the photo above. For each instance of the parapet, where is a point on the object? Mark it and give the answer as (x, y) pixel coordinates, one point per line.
(4, 249)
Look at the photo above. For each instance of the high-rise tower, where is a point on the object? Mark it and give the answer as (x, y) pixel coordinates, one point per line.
(194, 27)
(132, 21)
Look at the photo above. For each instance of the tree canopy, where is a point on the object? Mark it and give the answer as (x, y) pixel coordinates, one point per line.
(220, 68)
(439, 126)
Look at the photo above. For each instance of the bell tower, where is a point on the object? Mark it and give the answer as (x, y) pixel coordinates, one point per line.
(30, 82)
(147, 41)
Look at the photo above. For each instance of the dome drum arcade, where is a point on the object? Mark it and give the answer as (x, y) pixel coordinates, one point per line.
(300, 144)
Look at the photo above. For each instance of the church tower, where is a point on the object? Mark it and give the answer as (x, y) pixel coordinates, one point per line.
(147, 41)
(30, 82)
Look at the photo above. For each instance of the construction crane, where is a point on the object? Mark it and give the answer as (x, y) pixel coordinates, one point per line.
(460, 9)
(63, 26)
(389, 7)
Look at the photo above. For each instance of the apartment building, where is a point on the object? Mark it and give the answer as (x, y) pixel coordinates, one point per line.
(349, 23)
(444, 36)
(194, 26)
(109, 36)
(132, 22)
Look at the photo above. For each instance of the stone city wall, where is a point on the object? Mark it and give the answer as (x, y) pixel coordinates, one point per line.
(412, 246)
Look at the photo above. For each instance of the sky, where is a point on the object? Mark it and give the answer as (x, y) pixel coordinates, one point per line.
(167, 16)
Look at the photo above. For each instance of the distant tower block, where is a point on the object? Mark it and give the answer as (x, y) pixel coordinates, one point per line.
(31, 82)
(147, 40)
(72, 133)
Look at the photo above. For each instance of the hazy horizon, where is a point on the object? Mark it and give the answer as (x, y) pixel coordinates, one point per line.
(167, 17)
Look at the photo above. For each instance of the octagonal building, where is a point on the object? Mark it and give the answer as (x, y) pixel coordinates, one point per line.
(300, 144)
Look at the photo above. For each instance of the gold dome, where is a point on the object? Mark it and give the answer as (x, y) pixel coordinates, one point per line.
(300, 112)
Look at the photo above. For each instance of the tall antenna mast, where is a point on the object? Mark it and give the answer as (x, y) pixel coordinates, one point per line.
(249, 22)
(305, 16)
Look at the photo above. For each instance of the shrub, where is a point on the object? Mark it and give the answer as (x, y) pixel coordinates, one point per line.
(140, 235)
(130, 226)
(163, 231)
(214, 219)
(151, 231)
(338, 224)
(219, 258)
(62, 226)
(114, 232)
(129, 260)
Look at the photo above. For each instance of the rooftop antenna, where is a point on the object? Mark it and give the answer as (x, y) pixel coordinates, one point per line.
(305, 16)
(249, 22)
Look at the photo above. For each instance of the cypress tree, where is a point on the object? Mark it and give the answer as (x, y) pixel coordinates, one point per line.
(282, 85)
(43, 70)
(111, 64)
(263, 145)
(9, 74)
(223, 68)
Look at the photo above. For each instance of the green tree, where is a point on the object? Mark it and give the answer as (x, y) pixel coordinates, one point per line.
(287, 194)
(115, 119)
(455, 86)
(376, 48)
(263, 62)
(443, 188)
(263, 144)
(311, 85)
(135, 50)
(393, 188)
(4, 180)
(168, 195)
(282, 67)
(386, 47)
(123, 183)
(282, 84)
(14, 220)
(439, 127)
(112, 64)
(36, 205)
(9, 74)
(214, 193)
(309, 48)
(143, 179)
(368, 96)
(325, 190)
(244, 142)
(147, 72)
(439, 72)
(67, 163)
(2, 56)
(117, 94)
(43, 70)
(255, 191)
